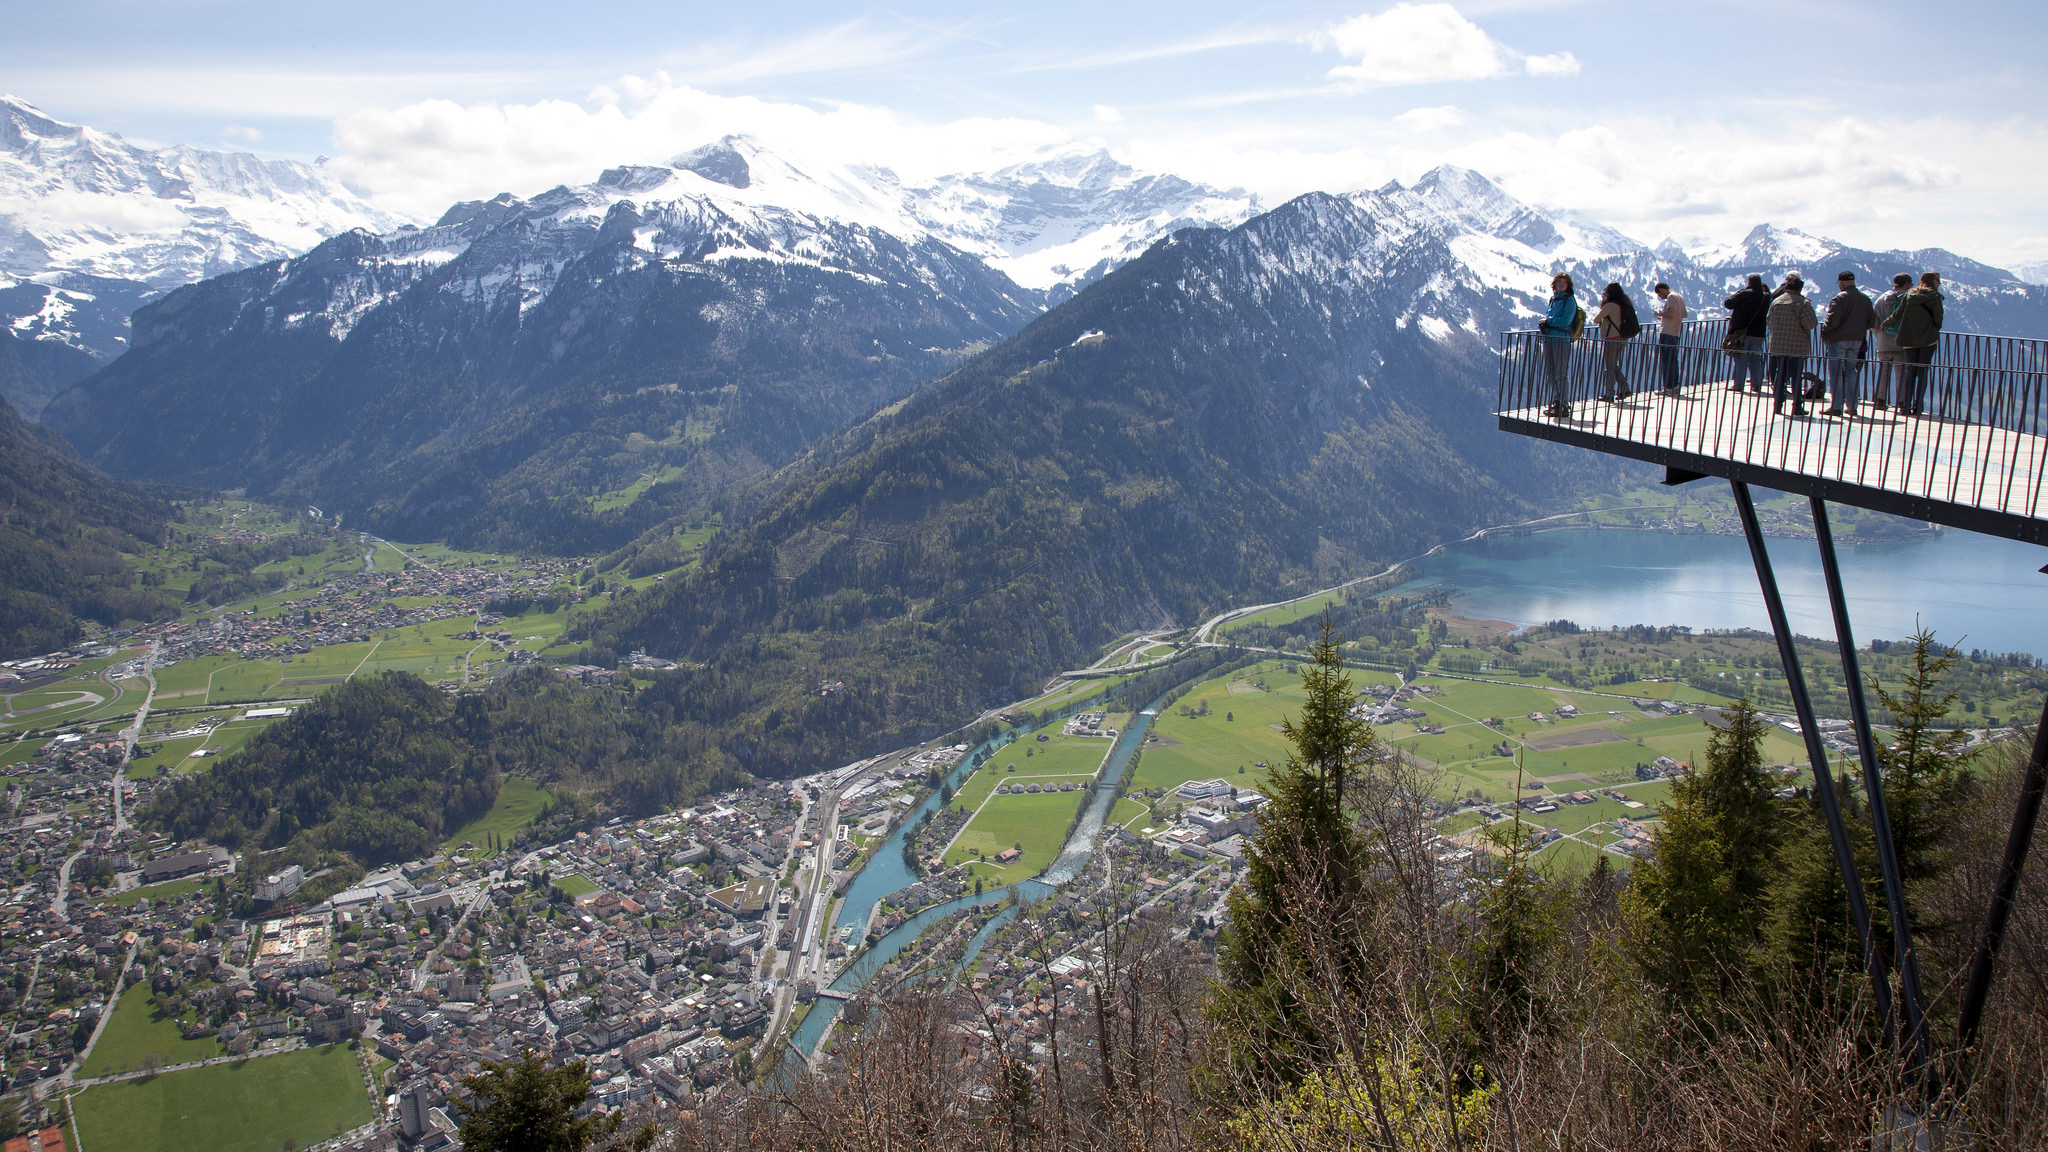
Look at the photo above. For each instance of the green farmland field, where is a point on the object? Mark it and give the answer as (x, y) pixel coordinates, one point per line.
(16, 751)
(1059, 754)
(519, 801)
(138, 1031)
(169, 755)
(575, 884)
(1286, 613)
(257, 1105)
(1038, 822)
(979, 786)
(1598, 748)
(1239, 731)
(163, 891)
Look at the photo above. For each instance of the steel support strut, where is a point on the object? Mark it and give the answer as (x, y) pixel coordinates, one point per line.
(1873, 787)
(1823, 780)
(1977, 986)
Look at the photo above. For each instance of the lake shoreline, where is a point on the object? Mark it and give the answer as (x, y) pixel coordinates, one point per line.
(1970, 589)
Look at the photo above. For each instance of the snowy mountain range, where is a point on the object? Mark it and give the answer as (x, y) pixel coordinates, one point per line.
(500, 370)
(91, 225)
(77, 200)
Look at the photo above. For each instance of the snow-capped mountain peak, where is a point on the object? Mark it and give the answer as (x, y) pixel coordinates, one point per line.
(722, 162)
(1478, 203)
(1768, 245)
(1050, 223)
(77, 200)
(1069, 214)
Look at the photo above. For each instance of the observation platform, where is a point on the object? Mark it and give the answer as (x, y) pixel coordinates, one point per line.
(1975, 459)
(1968, 451)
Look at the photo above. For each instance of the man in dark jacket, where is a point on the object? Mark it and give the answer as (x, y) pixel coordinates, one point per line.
(1890, 370)
(1746, 312)
(1849, 318)
(1919, 323)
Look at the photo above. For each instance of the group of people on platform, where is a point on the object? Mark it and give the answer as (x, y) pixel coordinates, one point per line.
(1770, 335)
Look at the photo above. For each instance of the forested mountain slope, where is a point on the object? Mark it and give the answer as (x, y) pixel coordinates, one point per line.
(385, 767)
(491, 378)
(1234, 414)
(63, 528)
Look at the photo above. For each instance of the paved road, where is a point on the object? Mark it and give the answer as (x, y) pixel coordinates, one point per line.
(58, 901)
(474, 904)
(291, 1044)
(133, 733)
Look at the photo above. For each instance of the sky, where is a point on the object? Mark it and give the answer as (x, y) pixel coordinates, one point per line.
(1879, 123)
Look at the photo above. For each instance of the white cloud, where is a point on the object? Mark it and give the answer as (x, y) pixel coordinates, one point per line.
(421, 157)
(1429, 44)
(1845, 177)
(1555, 64)
(1958, 185)
(1416, 44)
(1875, 183)
(1431, 119)
(241, 132)
(1107, 114)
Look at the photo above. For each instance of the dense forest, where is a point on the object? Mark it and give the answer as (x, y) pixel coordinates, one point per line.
(63, 531)
(384, 768)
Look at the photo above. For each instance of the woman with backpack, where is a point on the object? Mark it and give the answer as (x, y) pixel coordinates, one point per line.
(1618, 325)
(1562, 322)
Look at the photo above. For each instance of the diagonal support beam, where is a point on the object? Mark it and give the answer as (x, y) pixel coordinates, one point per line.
(1873, 787)
(1977, 985)
(1823, 780)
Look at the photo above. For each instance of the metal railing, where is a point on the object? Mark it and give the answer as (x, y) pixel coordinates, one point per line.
(1958, 349)
(1969, 428)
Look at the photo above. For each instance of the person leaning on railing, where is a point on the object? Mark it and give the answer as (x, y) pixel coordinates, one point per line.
(1562, 321)
(1790, 323)
(1917, 325)
(1746, 312)
(1890, 371)
(1849, 319)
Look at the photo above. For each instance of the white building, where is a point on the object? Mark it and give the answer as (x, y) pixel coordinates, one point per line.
(279, 885)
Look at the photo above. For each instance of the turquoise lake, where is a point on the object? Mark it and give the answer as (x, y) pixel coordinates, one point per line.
(1974, 591)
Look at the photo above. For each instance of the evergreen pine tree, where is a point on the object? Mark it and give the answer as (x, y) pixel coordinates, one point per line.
(1302, 876)
(1517, 930)
(1811, 929)
(524, 1105)
(1698, 906)
(1926, 765)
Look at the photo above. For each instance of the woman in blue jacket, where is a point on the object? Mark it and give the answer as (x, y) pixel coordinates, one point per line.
(1555, 330)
